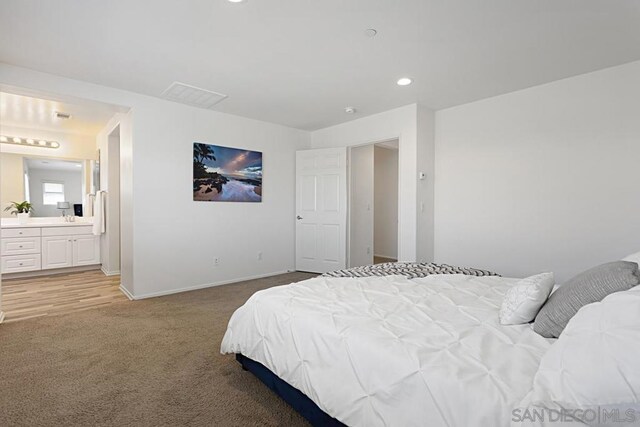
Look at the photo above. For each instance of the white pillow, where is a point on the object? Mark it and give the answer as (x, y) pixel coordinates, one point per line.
(594, 362)
(523, 301)
(633, 258)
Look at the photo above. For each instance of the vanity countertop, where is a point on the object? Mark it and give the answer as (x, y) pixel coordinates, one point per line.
(45, 222)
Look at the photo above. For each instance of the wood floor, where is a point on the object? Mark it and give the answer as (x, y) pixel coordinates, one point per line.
(380, 260)
(58, 294)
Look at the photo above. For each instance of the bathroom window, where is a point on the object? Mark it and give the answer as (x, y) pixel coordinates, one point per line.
(52, 193)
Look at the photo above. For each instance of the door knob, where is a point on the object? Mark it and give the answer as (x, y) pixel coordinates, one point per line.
(298, 217)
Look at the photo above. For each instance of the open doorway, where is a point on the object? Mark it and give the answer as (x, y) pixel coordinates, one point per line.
(50, 179)
(110, 184)
(373, 203)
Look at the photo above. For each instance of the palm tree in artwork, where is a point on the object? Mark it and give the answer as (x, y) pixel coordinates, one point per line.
(202, 152)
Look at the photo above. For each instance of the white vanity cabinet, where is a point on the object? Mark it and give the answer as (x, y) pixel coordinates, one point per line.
(86, 250)
(20, 249)
(57, 252)
(46, 248)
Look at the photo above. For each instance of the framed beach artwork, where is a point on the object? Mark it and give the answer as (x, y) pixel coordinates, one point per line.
(225, 174)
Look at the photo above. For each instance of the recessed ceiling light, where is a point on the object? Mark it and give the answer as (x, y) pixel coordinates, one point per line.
(405, 81)
(236, 1)
(349, 110)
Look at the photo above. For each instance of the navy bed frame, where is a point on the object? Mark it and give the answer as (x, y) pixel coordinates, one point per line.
(294, 397)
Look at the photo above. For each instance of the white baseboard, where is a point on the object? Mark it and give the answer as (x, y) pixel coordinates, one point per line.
(126, 292)
(109, 273)
(1, 316)
(50, 272)
(195, 288)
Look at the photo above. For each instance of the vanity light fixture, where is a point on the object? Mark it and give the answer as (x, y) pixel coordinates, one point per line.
(14, 140)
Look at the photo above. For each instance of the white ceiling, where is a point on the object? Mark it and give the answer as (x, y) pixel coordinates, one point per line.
(300, 62)
(53, 164)
(27, 112)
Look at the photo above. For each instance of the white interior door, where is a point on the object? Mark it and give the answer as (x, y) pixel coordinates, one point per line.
(321, 209)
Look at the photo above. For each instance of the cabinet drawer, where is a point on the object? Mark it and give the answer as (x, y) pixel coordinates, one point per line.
(20, 232)
(20, 246)
(68, 231)
(18, 263)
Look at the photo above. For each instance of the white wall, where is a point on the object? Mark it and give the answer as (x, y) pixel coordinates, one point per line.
(169, 241)
(402, 124)
(544, 179)
(413, 126)
(385, 213)
(361, 195)
(72, 181)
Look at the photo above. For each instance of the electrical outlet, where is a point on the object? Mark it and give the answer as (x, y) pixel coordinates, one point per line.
(216, 261)
(259, 256)
(368, 250)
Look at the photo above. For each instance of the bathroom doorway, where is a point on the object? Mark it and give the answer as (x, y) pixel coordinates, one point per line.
(51, 252)
(373, 203)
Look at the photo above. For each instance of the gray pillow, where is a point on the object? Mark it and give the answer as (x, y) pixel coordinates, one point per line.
(586, 288)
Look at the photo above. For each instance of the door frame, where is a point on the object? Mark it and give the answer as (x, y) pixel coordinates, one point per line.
(349, 191)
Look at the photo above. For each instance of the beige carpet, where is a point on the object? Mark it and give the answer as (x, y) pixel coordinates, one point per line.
(154, 362)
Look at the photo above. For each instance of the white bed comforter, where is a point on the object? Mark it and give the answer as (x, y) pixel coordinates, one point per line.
(388, 351)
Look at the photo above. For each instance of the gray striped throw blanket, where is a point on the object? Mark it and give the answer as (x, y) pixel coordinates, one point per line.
(410, 270)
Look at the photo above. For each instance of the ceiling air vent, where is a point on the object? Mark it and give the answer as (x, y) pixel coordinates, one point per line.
(61, 115)
(191, 95)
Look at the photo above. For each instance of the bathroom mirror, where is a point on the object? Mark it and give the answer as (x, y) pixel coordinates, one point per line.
(45, 181)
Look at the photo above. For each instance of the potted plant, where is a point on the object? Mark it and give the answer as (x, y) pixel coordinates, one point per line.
(21, 210)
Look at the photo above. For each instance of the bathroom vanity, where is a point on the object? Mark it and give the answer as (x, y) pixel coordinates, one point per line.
(48, 244)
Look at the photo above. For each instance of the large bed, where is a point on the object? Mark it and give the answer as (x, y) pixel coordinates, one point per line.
(390, 351)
